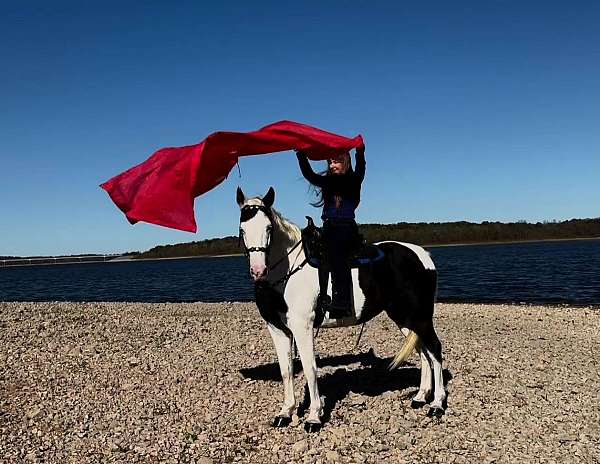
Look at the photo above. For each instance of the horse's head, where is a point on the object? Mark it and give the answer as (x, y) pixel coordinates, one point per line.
(256, 230)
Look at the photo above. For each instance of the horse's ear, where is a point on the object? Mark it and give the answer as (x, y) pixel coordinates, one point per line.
(240, 197)
(269, 198)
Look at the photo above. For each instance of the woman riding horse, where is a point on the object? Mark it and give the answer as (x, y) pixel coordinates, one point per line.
(339, 192)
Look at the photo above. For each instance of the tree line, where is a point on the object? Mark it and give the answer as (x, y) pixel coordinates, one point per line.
(421, 233)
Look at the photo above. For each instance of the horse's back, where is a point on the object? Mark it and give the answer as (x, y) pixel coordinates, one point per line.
(407, 254)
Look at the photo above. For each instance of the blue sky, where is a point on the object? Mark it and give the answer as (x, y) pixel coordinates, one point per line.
(470, 110)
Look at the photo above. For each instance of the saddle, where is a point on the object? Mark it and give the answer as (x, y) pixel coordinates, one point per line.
(315, 248)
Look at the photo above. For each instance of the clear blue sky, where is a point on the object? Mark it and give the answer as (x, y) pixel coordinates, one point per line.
(470, 110)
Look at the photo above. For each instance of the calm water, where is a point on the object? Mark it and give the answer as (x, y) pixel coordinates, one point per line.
(527, 272)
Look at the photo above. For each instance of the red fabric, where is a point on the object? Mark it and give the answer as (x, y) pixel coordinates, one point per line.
(162, 189)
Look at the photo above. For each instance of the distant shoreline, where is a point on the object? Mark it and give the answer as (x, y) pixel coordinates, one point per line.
(176, 257)
(123, 259)
(508, 242)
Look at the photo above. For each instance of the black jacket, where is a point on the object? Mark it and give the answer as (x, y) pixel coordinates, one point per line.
(346, 186)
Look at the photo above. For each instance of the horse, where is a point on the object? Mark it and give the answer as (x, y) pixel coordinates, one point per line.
(403, 284)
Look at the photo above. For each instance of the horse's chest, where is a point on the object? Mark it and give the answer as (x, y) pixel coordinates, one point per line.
(271, 305)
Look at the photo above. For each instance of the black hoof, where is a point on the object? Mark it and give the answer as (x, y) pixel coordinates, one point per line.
(417, 404)
(312, 427)
(435, 412)
(282, 421)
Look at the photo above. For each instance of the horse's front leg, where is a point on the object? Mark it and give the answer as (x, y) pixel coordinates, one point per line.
(302, 328)
(283, 347)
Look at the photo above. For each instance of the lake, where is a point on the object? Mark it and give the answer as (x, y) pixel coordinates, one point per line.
(533, 272)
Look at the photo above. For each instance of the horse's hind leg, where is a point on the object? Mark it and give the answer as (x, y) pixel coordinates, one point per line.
(433, 350)
(283, 347)
(423, 395)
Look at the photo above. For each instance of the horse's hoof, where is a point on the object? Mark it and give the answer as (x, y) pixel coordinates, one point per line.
(281, 421)
(417, 404)
(435, 412)
(312, 427)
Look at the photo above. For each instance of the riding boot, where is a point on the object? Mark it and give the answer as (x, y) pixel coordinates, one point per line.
(340, 237)
(341, 304)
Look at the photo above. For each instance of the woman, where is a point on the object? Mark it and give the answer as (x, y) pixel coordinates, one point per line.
(339, 191)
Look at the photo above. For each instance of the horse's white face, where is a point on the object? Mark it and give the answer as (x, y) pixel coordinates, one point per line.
(256, 232)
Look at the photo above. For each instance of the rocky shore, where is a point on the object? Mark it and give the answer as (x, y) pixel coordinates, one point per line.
(146, 383)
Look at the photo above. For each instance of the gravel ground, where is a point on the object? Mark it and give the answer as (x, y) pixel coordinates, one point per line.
(128, 383)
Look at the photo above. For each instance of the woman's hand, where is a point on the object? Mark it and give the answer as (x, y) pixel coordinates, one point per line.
(360, 150)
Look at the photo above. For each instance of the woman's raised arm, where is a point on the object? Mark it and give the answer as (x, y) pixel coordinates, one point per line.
(360, 163)
(307, 171)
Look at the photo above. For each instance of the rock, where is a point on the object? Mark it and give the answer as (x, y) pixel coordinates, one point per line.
(357, 400)
(300, 446)
(564, 438)
(33, 412)
(402, 443)
(114, 447)
(74, 352)
(332, 456)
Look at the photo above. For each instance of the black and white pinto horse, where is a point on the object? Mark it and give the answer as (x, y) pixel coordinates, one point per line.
(403, 284)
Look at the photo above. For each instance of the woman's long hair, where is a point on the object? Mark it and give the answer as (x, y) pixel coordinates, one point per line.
(327, 172)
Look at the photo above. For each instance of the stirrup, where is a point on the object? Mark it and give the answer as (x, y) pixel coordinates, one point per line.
(340, 311)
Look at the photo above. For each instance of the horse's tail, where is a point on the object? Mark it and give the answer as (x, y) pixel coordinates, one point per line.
(411, 342)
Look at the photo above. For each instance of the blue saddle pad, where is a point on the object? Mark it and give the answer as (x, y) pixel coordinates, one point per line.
(367, 255)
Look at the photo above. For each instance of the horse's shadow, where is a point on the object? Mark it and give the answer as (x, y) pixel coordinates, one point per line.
(371, 378)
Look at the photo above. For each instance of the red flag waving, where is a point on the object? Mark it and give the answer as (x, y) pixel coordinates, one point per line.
(161, 190)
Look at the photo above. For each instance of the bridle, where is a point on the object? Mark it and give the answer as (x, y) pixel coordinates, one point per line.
(248, 212)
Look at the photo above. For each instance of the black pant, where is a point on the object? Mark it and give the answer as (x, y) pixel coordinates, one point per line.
(341, 237)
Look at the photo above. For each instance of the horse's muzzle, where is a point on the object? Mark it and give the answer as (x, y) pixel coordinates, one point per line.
(259, 272)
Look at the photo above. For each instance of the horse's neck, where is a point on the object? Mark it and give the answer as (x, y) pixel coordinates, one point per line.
(285, 237)
(285, 246)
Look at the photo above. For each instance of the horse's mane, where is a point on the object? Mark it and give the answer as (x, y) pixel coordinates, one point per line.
(286, 226)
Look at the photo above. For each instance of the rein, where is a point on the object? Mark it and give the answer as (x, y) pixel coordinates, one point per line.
(282, 258)
(288, 274)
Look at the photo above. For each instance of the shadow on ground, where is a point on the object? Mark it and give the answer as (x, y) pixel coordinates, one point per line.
(271, 371)
(369, 375)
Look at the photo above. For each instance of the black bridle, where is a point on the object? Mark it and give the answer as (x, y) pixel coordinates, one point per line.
(248, 212)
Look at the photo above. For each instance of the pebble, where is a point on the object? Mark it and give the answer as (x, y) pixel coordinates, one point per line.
(33, 412)
(300, 447)
(332, 456)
